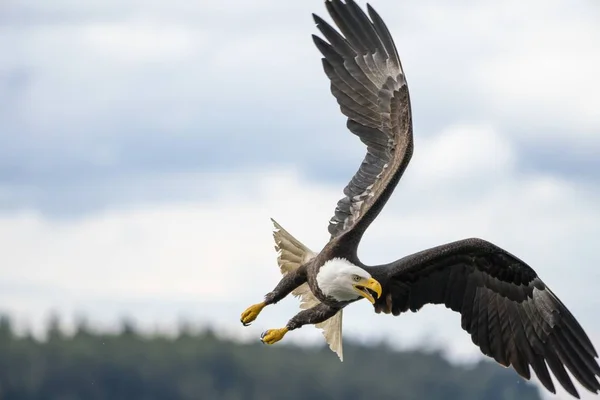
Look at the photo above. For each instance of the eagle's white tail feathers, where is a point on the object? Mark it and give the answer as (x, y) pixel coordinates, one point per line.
(291, 255)
(332, 330)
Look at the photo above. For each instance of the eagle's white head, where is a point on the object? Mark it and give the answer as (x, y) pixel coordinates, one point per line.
(344, 281)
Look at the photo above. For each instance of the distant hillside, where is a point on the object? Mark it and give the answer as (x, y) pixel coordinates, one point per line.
(128, 366)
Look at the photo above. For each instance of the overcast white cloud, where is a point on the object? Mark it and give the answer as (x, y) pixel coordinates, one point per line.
(126, 91)
(168, 132)
(208, 260)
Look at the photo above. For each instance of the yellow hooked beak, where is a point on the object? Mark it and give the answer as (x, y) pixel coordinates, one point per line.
(370, 284)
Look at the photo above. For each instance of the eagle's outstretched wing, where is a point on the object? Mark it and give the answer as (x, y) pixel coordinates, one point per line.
(510, 313)
(369, 84)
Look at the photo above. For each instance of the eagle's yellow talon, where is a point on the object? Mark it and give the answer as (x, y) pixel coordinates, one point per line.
(251, 313)
(273, 335)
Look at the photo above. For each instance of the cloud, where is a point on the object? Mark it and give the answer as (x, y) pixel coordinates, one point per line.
(543, 78)
(140, 140)
(463, 154)
(157, 251)
(100, 92)
(209, 259)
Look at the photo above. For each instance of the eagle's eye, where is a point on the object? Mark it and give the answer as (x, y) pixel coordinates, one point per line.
(356, 278)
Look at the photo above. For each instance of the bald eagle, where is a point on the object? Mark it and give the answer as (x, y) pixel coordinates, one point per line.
(507, 309)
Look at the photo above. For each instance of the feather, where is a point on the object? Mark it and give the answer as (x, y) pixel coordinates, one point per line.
(506, 308)
(289, 245)
(357, 61)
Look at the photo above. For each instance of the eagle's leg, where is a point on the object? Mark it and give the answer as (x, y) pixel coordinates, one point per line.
(286, 285)
(319, 313)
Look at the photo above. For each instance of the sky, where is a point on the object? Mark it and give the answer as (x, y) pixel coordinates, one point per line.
(144, 145)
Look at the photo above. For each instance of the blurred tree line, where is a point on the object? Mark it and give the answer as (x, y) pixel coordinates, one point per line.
(198, 365)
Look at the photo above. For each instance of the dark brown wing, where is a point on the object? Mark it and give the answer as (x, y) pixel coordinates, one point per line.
(510, 313)
(368, 82)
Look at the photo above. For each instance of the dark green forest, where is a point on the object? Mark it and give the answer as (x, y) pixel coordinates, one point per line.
(129, 365)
